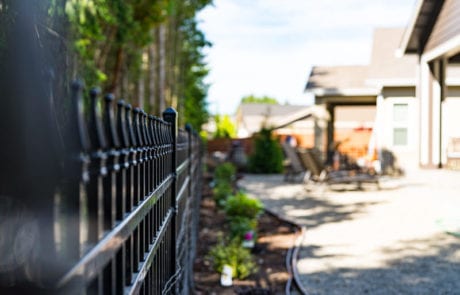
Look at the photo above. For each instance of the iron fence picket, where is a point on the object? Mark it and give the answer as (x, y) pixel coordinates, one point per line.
(131, 201)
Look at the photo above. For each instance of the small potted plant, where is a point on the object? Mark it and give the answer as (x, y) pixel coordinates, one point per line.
(230, 254)
(248, 239)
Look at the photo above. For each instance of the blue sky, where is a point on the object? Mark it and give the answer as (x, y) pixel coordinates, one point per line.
(267, 47)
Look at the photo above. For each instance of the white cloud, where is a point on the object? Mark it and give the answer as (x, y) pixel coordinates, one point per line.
(267, 47)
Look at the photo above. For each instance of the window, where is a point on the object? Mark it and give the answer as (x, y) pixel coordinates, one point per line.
(400, 126)
(399, 136)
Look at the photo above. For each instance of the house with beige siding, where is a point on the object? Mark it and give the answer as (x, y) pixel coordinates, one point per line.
(396, 122)
(341, 90)
(250, 118)
(433, 37)
(388, 84)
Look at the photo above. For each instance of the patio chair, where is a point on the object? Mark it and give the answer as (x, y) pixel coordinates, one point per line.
(293, 168)
(319, 174)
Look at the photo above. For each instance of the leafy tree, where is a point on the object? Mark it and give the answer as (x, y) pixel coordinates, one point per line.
(109, 33)
(267, 156)
(262, 99)
(193, 90)
(149, 52)
(225, 128)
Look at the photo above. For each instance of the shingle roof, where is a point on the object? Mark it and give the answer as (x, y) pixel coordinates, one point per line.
(386, 69)
(252, 116)
(263, 109)
(338, 80)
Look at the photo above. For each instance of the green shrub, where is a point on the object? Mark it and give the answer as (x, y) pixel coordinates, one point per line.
(239, 226)
(267, 156)
(221, 192)
(225, 173)
(243, 206)
(233, 254)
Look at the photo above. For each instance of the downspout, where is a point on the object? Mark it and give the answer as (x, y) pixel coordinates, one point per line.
(442, 81)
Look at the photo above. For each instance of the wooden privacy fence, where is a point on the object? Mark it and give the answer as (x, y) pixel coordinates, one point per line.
(125, 218)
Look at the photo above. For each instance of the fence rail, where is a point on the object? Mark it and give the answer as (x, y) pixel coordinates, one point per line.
(125, 217)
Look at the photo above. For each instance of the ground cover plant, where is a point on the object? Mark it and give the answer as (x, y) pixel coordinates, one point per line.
(242, 213)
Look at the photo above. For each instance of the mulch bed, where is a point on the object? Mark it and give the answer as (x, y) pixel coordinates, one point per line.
(274, 240)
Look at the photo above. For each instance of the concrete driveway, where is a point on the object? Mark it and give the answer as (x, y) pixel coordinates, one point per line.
(388, 241)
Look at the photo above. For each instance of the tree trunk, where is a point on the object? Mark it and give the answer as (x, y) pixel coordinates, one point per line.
(176, 61)
(101, 58)
(152, 75)
(170, 53)
(162, 68)
(141, 87)
(124, 91)
(116, 70)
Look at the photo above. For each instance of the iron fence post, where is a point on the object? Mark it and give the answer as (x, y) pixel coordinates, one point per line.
(170, 116)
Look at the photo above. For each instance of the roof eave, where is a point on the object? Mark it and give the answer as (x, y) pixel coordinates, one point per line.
(344, 92)
(420, 21)
(408, 34)
(397, 82)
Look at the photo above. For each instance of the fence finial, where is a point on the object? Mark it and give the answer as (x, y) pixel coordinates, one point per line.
(170, 115)
(129, 125)
(121, 125)
(77, 100)
(96, 133)
(146, 125)
(151, 128)
(109, 122)
(137, 127)
(188, 127)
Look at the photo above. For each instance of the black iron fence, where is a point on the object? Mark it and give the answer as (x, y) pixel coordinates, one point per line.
(124, 217)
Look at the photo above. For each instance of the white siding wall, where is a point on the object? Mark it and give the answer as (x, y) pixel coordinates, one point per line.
(451, 120)
(407, 155)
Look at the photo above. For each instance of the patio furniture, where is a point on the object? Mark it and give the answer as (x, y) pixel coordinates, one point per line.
(318, 173)
(293, 168)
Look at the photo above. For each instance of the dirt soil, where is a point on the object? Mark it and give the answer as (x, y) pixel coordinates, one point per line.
(274, 240)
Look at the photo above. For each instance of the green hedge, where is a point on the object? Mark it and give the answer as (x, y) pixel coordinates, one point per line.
(267, 156)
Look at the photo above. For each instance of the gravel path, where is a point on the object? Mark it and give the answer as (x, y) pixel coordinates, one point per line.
(387, 241)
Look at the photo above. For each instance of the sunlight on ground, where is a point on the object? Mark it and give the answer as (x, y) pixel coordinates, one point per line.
(389, 239)
(276, 242)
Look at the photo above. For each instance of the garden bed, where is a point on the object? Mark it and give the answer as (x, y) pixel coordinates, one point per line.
(274, 240)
